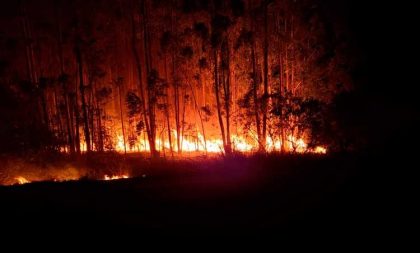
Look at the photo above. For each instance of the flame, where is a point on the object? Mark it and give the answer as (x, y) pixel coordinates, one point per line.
(22, 180)
(239, 143)
(320, 150)
(114, 177)
(214, 145)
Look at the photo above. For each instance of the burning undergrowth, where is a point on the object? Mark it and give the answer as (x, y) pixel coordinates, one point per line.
(112, 166)
(60, 167)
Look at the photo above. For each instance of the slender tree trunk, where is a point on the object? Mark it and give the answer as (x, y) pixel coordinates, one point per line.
(77, 123)
(227, 94)
(95, 111)
(141, 86)
(282, 101)
(60, 130)
(255, 95)
(281, 94)
(83, 98)
(217, 93)
(69, 123)
(150, 91)
(184, 104)
(265, 63)
(201, 119)
(68, 114)
(167, 111)
(175, 83)
(122, 117)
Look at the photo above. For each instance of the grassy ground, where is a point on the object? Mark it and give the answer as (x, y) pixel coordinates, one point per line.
(241, 195)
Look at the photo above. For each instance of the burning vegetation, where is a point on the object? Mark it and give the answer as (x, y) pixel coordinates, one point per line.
(64, 167)
(171, 77)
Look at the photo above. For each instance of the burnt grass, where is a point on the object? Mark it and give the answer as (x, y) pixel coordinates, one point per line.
(236, 196)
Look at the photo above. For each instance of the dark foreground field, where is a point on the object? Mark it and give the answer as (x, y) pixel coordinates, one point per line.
(234, 197)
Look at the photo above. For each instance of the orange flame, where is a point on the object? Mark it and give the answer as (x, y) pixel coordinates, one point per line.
(22, 180)
(114, 177)
(239, 143)
(214, 145)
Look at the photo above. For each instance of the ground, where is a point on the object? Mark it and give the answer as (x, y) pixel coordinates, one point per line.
(239, 196)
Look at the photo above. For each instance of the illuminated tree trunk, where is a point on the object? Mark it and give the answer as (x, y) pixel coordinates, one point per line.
(227, 92)
(255, 96)
(151, 99)
(282, 97)
(167, 111)
(265, 95)
(217, 93)
(121, 115)
(91, 113)
(59, 129)
(82, 97)
(201, 118)
(177, 107)
(77, 121)
(175, 82)
(281, 90)
(141, 86)
(255, 87)
(63, 82)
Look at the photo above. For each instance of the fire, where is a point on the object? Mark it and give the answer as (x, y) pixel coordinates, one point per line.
(22, 180)
(213, 145)
(320, 150)
(239, 143)
(114, 177)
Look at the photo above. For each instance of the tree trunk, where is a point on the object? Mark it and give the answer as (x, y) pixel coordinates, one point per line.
(227, 93)
(255, 92)
(77, 123)
(82, 97)
(265, 95)
(201, 119)
(150, 92)
(281, 94)
(68, 114)
(217, 93)
(167, 110)
(175, 83)
(122, 117)
(141, 88)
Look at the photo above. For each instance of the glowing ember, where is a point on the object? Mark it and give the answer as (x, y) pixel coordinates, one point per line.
(22, 180)
(106, 177)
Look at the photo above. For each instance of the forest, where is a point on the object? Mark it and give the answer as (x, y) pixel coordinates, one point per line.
(174, 76)
(206, 118)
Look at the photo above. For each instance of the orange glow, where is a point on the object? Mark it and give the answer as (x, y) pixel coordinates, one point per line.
(320, 150)
(107, 178)
(239, 143)
(197, 144)
(22, 180)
